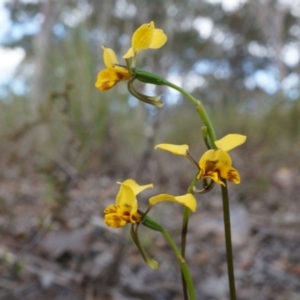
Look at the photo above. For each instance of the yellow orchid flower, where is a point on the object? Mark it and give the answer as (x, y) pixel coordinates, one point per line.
(217, 164)
(125, 210)
(214, 164)
(146, 37)
(113, 73)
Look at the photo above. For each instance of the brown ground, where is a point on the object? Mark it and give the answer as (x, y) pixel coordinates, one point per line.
(61, 250)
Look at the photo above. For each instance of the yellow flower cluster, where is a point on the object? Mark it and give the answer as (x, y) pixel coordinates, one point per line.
(125, 210)
(145, 37)
(214, 164)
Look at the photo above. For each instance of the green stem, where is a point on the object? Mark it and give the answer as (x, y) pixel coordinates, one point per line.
(147, 259)
(200, 109)
(184, 268)
(149, 77)
(184, 229)
(230, 269)
(186, 216)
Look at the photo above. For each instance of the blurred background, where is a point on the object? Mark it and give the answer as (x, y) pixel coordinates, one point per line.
(64, 145)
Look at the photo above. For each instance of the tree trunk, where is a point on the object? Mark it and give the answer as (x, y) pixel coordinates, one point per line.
(41, 50)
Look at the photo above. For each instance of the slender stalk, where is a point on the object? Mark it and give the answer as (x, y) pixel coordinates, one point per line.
(148, 260)
(227, 229)
(184, 229)
(184, 268)
(152, 78)
(186, 275)
(210, 130)
(200, 109)
(149, 77)
(192, 160)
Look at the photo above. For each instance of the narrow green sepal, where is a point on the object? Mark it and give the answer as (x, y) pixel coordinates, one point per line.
(155, 101)
(147, 77)
(204, 131)
(151, 263)
(150, 223)
(206, 187)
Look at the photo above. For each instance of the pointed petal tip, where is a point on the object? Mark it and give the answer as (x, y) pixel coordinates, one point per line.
(153, 264)
(230, 141)
(187, 200)
(175, 149)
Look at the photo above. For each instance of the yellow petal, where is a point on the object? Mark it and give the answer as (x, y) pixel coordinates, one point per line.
(158, 40)
(135, 187)
(231, 174)
(216, 164)
(114, 220)
(213, 159)
(109, 57)
(212, 175)
(143, 36)
(109, 77)
(126, 198)
(129, 53)
(135, 218)
(175, 149)
(110, 209)
(230, 141)
(106, 79)
(122, 73)
(187, 200)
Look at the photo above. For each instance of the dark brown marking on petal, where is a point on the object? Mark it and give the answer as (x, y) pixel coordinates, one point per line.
(210, 172)
(210, 165)
(107, 85)
(120, 75)
(232, 176)
(116, 218)
(136, 217)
